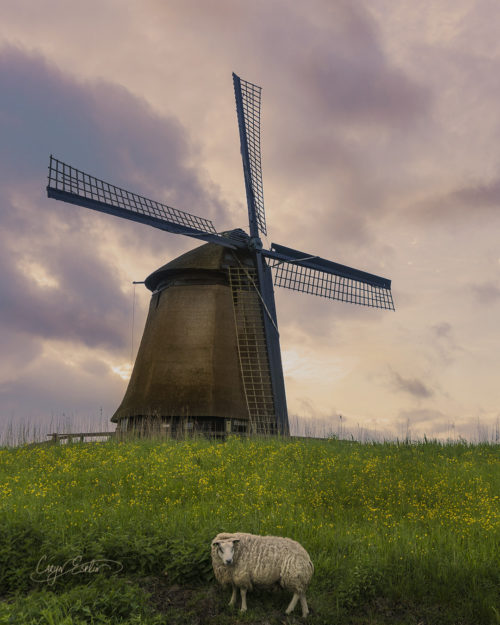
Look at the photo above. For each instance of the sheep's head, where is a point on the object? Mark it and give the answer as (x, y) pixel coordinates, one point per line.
(225, 549)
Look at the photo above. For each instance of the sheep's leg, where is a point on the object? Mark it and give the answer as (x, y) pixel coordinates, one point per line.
(303, 603)
(293, 603)
(243, 599)
(233, 596)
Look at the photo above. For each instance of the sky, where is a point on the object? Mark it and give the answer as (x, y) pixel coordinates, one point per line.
(381, 151)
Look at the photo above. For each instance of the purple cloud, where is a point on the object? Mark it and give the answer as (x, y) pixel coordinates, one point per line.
(106, 130)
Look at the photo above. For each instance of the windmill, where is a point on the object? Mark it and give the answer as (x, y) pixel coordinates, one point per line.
(210, 353)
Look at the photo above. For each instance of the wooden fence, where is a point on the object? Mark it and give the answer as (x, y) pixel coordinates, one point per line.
(80, 436)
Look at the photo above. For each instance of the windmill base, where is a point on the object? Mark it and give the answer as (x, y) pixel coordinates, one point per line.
(180, 427)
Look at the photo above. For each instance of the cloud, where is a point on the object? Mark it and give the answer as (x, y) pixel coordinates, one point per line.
(380, 130)
(102, 128)
(330, 92)
(110, 132)
(348, 102)
(52, 388)
(346, 71)
(61, 281)
(412, 386)
(485, 195)
(442, 339)
(486, 293)
(460, 203)
(86, 306)
(442, 330)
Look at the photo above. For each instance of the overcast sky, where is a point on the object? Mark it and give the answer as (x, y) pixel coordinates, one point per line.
(381, 150)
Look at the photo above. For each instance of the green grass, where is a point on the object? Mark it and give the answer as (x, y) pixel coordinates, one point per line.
(399, 534)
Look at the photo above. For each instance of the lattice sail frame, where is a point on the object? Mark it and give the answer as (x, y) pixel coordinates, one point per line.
(331, 286)
(63, 177)
(251, 103)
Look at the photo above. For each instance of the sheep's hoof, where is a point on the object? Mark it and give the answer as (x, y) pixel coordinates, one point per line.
(243, 610)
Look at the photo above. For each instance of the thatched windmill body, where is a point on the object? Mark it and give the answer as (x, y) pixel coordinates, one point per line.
(210, 355)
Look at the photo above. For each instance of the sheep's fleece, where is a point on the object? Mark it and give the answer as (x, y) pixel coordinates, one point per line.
(244, 560)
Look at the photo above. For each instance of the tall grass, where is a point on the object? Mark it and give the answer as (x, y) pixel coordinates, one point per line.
(402, 533)
(19, 431)
(14, 433)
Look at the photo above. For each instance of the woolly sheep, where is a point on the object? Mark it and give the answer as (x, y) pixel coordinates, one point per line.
(243, 560)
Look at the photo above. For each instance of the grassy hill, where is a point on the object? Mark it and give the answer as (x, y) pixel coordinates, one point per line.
(399, 534)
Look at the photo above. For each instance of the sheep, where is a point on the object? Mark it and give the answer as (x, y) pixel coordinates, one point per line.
(243, 560)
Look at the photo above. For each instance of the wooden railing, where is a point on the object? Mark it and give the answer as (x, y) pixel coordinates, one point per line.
(81, 436)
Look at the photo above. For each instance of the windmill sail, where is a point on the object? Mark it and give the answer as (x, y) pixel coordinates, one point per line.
(71, 185)
(248, 101)
(314, 275)
(248, 109)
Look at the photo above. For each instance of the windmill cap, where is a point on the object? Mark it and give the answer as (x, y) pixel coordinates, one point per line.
(207, 259)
